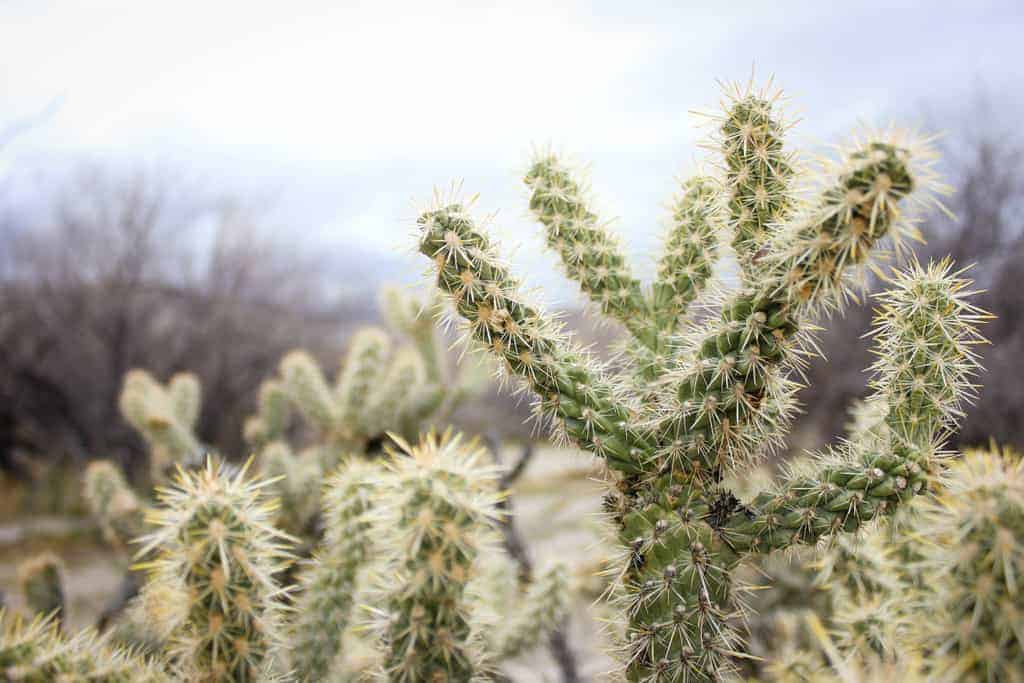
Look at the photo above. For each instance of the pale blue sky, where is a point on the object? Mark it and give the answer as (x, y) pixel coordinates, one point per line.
(349, 113)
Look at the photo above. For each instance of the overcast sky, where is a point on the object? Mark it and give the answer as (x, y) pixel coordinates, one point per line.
(350, 113)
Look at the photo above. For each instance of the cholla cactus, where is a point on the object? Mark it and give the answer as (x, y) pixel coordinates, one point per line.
(113, 503)
(215, 541)
(330, 582)
(42, 582)
(295, 481)
(165, 416)
(533, 615)
(973, 548)
(440, 503)
(724, 396)
(36, 652)
(271, 420)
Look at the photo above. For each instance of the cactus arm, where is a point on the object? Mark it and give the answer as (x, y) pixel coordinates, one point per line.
(272, 415)
(729, 398)
(590, 254)
(308, 390)
(487, 297)
(758, 171)
(689, 253)
(393, 391)
(362, 372)
(295, 484)
(112, 503)
(415, 319)
(214, 535)
(328, 584)
(445, 504)
(924, 332)
(157, 415)
(186, 396)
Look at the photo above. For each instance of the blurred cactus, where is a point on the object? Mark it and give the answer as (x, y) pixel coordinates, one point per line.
(721, 398)
(330, 582)
(534, 615)
(271, 420)
(214, 539)
(36, 652)
(42, 582)
(971, 614)
(112, 503)
(165, 417)
(294, 479)
(441, 501)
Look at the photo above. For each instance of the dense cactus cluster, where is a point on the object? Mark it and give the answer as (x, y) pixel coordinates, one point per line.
(230, 595)
(719, 396)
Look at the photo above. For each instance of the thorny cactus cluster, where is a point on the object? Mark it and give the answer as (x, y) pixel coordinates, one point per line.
(408, 530)
(387, 384)
(932, 595)
(699, 405)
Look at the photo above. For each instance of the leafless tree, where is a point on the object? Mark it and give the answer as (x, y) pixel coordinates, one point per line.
(138, 269)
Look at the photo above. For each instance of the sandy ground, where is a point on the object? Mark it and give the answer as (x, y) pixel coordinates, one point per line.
(556, 502)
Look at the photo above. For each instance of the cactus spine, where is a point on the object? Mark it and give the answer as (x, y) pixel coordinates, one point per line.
(215, 540)
(725, 398)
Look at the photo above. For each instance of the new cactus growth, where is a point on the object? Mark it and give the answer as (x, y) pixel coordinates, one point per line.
(215, 540)
(724, 398)
(442, 503)
(42, 582)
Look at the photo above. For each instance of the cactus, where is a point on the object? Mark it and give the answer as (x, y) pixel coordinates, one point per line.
(538, 612)
(972, 540)
(271, 420)
(42, 582)
(164, 416)
(215, 540)
(725, 396)
(329, 583)
(112, 503)
(295, 482)
(36, 652)
(441, 502)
